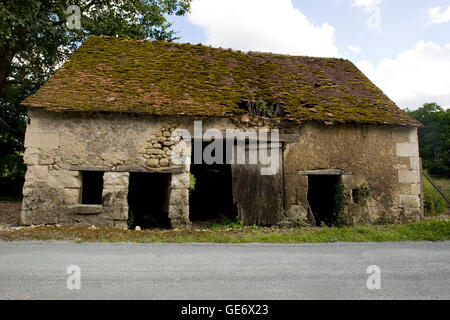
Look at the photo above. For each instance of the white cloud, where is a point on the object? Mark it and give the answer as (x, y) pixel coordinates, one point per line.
(262, 25)
(354, 49)
(437, 16)
(372, 8)
(416, 76)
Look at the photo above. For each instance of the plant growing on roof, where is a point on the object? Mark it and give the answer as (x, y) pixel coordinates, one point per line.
(260, 108)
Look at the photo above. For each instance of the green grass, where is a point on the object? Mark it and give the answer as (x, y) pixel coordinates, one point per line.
(443, 183)
(434, 203)
(231, 223)
(419, 231)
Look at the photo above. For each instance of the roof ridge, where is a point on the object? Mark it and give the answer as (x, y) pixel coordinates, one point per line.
(218, 48)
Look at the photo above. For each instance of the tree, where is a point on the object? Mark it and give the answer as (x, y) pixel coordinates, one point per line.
(35, 40)
(434, 137)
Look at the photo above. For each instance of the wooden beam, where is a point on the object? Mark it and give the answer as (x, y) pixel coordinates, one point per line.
(142, 168)
(328, 172)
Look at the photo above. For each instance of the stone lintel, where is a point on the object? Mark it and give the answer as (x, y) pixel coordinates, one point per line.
(336, 172)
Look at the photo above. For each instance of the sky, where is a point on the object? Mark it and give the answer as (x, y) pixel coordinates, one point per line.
(403, 46)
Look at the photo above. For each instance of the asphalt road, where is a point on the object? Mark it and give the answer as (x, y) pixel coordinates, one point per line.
(37, 270)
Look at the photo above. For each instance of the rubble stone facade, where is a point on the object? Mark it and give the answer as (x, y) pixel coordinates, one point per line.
(381, 160)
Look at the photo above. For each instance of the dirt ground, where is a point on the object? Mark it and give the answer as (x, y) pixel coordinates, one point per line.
(10, 213)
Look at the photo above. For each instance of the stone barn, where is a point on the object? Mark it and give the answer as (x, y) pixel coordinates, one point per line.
(100, 140)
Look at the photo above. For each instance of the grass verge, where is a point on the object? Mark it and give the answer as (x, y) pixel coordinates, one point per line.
(443, 183)
(434, 203)
(419, 231)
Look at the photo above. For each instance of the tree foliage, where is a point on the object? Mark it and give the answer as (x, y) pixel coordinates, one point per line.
(434, 138)
(35, 40)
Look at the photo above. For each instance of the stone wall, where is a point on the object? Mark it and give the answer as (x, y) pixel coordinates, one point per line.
(380, 162)
(382, 159)
(59, 146)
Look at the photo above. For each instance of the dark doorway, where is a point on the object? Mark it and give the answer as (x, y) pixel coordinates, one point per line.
(148, 200)
(211, 200)
(322, 196)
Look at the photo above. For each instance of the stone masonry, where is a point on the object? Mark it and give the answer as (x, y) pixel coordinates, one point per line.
(59, 147)
(382, 161)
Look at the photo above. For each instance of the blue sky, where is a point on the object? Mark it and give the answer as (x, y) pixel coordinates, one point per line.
(401, 45)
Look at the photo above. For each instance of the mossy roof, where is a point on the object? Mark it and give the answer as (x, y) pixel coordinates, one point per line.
(162, 78)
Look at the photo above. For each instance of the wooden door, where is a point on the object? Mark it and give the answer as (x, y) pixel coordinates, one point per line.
(259, 198)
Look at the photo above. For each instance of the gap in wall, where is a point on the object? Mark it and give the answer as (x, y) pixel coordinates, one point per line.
(148, 200)
(322, 190)
(211, 200)
(91, 187)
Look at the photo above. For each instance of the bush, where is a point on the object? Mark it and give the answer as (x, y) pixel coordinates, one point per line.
(12, 176)
(433, 202)
(341, 200)
(233, 223)
(192, 182)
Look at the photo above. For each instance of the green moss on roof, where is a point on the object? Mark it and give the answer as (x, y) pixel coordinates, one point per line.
(161, 78)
